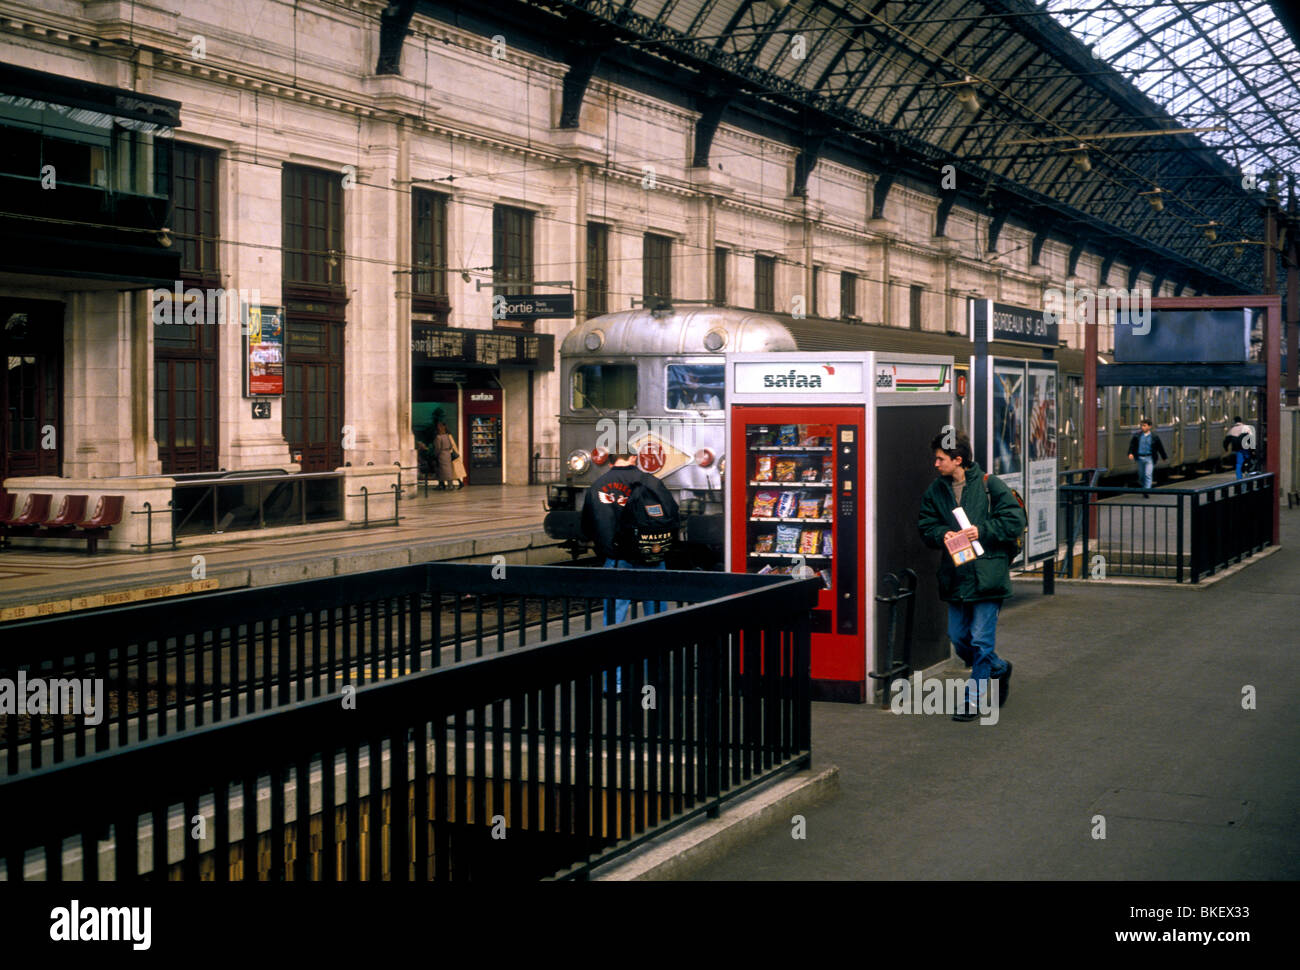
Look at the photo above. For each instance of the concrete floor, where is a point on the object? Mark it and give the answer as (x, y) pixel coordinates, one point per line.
(1126, 703)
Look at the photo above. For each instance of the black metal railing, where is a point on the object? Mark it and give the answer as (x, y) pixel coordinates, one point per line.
(544, 470)
(238, 501)
(516, 764)
(1166, 533)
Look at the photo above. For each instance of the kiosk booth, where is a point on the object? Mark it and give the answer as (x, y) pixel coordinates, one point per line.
(829, 457)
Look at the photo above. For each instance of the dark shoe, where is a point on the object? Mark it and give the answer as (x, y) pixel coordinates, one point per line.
(966, 713)
(1004, 685)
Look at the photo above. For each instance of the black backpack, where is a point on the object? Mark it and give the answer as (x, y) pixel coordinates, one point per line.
(651, 525)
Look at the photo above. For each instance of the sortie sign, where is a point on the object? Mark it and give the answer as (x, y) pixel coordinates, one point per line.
(527, 307)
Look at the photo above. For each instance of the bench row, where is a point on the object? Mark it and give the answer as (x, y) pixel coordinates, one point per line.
(71, 522)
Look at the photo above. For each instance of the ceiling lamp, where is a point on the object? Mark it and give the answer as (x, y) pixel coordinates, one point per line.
(1154, 197)
(1209, 230)
(1079, 158)
(964, 91)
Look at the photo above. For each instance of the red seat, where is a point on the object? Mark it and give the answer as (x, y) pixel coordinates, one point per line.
(7, 500)
(108, 513)
(72, 512)
(35, 510)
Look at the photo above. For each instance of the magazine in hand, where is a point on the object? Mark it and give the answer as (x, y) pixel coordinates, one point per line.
(960, 548)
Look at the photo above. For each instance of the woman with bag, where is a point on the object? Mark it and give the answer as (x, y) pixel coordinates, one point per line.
(445, 455)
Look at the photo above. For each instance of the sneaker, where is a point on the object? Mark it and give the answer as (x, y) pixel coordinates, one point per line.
(1004, 684)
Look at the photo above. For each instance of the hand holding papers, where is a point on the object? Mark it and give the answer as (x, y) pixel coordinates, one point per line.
(965, 523)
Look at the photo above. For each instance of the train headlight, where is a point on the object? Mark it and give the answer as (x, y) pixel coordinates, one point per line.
(599, 455)
(704, 458)
(579, 462)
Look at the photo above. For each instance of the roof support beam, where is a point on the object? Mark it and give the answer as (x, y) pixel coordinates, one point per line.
(1072, 264)
(582, 65)
(1107, 262)
(394, 25)
(1156, 283)
(1041, 233)
(710, 117)
(879, 193)
(1133, 273)
(995, 228)
(809, 150)
(946, 202)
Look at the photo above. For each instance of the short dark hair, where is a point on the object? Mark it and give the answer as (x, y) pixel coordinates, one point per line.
(1236, 419)
(1145, 421)
(961, 448)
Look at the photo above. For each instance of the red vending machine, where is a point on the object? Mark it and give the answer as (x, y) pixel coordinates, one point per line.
(809, 491)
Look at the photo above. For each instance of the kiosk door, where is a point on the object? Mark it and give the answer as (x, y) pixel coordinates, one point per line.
(483, 438)
(798, 504)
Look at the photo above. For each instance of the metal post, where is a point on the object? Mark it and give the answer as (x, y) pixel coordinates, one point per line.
(148, 527)
(1179, 500)
(365, 507)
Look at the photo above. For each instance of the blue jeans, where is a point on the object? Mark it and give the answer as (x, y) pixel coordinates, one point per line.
(973, 630)
(1241, 460)
(1146, 465)
(616, 610)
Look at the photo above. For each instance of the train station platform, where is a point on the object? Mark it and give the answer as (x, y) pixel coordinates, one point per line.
(470, 524)
(1126, 709)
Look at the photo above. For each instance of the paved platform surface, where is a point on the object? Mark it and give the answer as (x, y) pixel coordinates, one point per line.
(1126, 702)
(473, 512)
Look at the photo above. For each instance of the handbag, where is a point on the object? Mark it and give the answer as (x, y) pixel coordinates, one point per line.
(454, 454)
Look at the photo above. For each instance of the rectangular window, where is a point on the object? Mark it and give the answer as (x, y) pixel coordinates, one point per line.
(720, 255)
(914, 317)
(1130, 408)
(428, 251)
(814, 301)
(695, 387)
(313, 227)
(597, 269)
(512, 249)
(657, 268)
(848, 294)
(607, 387)
(194, 212)
(1193, 405)
(764, 283)
(512, 256)
(1164, 406)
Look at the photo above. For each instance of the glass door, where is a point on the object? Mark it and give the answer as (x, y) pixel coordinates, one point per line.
(790, 499)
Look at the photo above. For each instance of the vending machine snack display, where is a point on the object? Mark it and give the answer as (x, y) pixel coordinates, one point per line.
(810, 494)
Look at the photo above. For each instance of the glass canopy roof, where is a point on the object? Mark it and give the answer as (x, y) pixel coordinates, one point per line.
(1208, 64)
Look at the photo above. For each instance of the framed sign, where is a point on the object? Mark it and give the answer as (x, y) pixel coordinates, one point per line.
(263, 351)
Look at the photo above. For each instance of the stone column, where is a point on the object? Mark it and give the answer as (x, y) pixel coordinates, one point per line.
(250, 213)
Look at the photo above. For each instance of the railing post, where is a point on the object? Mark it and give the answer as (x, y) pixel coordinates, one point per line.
(148, 527)
(1178, 578)
(365, 507)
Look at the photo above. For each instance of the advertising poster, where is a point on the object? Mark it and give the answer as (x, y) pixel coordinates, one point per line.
(265, 353)
(1008, 422)
(1040, 500)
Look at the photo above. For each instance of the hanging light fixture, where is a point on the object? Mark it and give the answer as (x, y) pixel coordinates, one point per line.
(1154, 198)
(1079, 157)
(1209, 230)
(964, 91)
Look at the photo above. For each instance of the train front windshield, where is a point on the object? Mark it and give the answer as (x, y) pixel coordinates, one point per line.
(695, 387)
(604, 387)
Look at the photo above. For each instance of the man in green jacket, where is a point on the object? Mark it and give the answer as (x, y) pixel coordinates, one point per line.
(975, 590)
